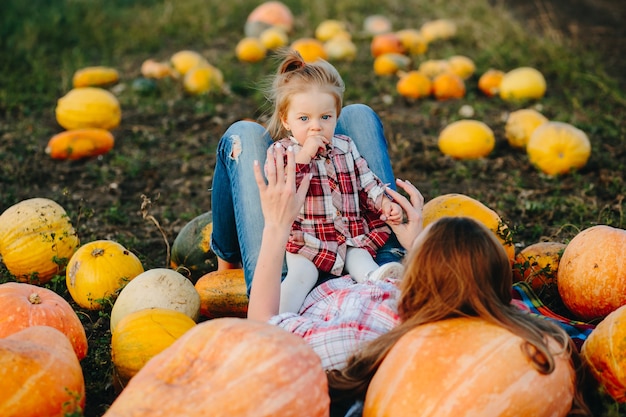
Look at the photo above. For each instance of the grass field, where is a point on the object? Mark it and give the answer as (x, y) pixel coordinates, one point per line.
(165, 144)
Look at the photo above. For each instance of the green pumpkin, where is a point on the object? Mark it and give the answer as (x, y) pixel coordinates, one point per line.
(191, 253)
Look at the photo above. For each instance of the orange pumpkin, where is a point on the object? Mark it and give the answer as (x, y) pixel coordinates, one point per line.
(229, 367)
(605, 354)
(36, 240)
(414, 85)
(40, 375)
(467, 367)
(80, 143)
(267, 14)
(311, 49)
(489, 82)
(448, 86)
(592, 272)
(95, 76)
(26, 305)
(151, 68)
(538, 264)
(223, 294)
(386, 43)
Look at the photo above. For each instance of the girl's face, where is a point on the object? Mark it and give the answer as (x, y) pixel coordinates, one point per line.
(311, 113)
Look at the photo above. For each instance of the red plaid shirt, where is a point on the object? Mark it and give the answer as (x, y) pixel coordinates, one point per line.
(342, 207)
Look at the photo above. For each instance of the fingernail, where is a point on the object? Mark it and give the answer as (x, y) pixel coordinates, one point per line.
(289, 148)
(277, 145)
(256, 162)
(383, 217)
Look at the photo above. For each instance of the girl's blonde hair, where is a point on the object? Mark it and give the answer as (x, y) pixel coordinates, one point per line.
(459, 269)
(294, 75)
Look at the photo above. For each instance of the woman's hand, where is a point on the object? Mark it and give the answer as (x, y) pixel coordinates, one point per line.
(408, 231)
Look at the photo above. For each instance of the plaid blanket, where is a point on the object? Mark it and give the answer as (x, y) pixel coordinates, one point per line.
(527, 300)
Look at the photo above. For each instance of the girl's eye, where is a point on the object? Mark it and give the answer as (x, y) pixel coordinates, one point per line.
(326, 117)
(304, 118)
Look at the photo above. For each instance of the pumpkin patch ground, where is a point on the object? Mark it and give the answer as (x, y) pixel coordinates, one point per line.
(158, 175)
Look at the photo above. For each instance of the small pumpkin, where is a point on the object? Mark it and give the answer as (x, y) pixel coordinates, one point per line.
(391, 63)
(538, 265)
(151, 68)
(203, 79)
(467, 367)
(250, 49)
(604, 353)
(223, 294)
(36, 240)
(384, 43)
(520, 125)
(433, 67)
(80, 143)
(40, 374)
(376, 24)
(311, 49)
(230, 367)
(98, 270)
(558, 148)
(592, 272)
(413, 41)
(156, 288)
(489, 82)
(191, 253)
(340, 49)
(438, 29)
(414, 85)
(24, 305)
(329, 28)
(462, 66)
(143, 334)
(96, 76)
(466, 139)
(462, 205)
(274, 38)
(448, 86)
(523, 83)
(267, 14)
(88, 107)
(183, 61)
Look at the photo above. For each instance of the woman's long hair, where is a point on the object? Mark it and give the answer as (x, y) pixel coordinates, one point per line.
(457, 268)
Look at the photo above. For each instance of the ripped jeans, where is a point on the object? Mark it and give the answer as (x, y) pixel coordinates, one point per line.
(235, 203)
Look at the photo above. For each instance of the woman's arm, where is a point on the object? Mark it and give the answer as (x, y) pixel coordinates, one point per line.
(280, 202)
(408, 231)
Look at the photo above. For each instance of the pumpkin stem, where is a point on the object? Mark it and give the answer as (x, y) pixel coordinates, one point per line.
(97, 252)
(34, 298)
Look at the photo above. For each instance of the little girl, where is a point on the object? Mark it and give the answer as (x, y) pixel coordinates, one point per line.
(342, 221)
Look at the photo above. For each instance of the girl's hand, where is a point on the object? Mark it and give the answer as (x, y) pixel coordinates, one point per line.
(311, 147)
(408, 231)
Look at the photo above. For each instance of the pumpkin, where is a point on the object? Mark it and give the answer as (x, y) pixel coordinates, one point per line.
(522, 83)
(520, 125)
(97, 272)
(142, 334)
(80, 143)
(438, 29)
(151, 68)
(191, 253)
(223, 294)
(311, 49)
(433, 67)
(250, 49)
(414, 85)
(340, 48)
(158, 287)
(592, 272)
(36, 240)
(229, 367)
(88, 107)
(25, 305)
(466, 139)
(558, 148)
(97, 76)
(605, 355)
(448, 86)
(538, 265)
(384, 43)
(390, 63)
(376, 24)
(203, 79)
(462, 66)
(467, 367)
(461, 205)
(184, 60)
(413, 41)
(40, 375)
(274, 38)
(329, 28)
(489, 82)
(267, 14)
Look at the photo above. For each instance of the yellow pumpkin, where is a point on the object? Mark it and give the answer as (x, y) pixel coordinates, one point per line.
(143, 334)
(433, 67)
(376, 23)
(390, 63)
(88, 107)
(414, 85)
(438, 29)
(156, 288)
(462, 66)
(274, 38)
(520, 125)
(184, 60)
(250, 49)
(203, 79)
(98, 76)
(522, 83)
(36, 240)
(461, 205)
(413, 41)
(340, 49)
(98, 270)
(466, 139)
(223, 294)
(558, 148)
(467, 367)
(329, 28)
(80, 143)
(311, 49)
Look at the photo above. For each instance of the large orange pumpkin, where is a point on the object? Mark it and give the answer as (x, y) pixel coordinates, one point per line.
(467, 367)
(25, 305)
(36, 240)
(268, 14)
(80, 143)
(40, 375)
(229, 367)
(604, 352)
(592, 272)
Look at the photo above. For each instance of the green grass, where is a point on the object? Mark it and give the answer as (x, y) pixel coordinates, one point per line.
(166, 143)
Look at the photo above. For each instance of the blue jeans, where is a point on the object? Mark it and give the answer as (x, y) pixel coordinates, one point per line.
(235, 203)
